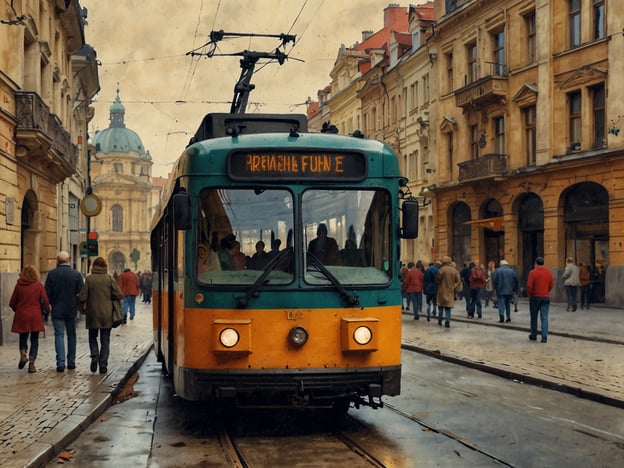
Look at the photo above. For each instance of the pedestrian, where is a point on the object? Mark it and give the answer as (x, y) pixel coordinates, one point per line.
(490, 293)
(465, 277)
(404, 299)
(585, 284)
(505, 283)
(571, 281)
(129, 284)
(430, 289)
(62, 285)
(477, 285)
(146, 286)
(414, 287)
(97, 295)
(30, 303)
(448, 282)
(539, 284)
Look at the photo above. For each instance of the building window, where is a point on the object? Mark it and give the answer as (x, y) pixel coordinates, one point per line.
(472, 63)
(599, 19)
(499, 54)
(449, 72)
(574, 100)
(117, 212)
(574, 13)
(118, 168)
(598, 104)
(426, 97)
(530, 134)
(449, 153)
(499, 130)
(474, 141)
(531, 34)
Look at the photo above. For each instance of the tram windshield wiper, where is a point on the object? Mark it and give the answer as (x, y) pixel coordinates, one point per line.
(243, 301)
(351, 300)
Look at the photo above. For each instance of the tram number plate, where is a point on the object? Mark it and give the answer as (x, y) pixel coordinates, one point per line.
(294, 314)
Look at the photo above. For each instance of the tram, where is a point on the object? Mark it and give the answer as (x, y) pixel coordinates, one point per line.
(275, 266)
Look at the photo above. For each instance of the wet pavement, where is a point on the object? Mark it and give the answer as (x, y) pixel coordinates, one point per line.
(584, 354)
(42, 413)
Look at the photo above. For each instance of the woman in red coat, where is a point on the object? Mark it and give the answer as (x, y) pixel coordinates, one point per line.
(27, 301)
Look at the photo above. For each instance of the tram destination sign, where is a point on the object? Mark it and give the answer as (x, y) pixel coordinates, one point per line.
(276, 164)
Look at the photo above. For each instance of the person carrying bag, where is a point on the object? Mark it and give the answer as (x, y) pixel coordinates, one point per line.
(102, 297)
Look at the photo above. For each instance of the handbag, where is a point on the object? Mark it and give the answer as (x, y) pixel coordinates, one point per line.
(117, 310)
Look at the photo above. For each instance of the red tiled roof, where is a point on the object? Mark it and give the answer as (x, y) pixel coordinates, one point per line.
(159, 181)
(398, 20)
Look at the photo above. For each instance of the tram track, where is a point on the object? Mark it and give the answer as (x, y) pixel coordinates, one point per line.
(449, 434)
(326, 448)
(511, 361)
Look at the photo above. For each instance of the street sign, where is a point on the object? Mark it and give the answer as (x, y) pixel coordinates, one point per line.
(90, 205)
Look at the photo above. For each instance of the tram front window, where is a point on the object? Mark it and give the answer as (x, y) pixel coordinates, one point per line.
(240, 231)
(348, 231)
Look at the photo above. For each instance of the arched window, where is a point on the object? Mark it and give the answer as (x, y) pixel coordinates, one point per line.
(117, 212)
(461, 233)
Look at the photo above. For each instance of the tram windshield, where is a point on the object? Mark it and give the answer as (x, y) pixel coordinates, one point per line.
(348, 231)
(241, 230)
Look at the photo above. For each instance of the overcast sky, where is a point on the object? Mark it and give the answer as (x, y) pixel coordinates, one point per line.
(142, 45)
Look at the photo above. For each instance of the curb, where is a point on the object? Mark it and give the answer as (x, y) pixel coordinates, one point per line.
(521, 378)
(40, 453)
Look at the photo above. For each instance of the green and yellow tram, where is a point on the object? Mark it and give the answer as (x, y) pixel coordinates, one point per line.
(275, 259)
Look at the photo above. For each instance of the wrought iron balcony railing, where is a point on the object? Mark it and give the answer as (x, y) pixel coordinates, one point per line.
(41, 138)
(487, 166)
(483, 90)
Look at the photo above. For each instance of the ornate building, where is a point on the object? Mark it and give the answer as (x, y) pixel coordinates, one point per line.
(529, 150)
(48, 77)
(121, 174)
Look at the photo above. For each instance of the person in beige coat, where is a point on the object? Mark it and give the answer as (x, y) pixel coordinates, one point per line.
(97, 295)
(448, 280)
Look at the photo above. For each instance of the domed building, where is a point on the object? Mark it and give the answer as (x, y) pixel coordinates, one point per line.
(121, 177)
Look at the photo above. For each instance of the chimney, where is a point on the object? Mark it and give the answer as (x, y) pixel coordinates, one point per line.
(392, 13)
(366, 34)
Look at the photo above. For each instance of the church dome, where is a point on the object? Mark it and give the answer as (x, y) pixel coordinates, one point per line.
(117, 138)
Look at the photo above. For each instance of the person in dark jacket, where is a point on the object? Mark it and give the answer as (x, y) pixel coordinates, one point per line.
(98, 293)
(430, 289)
(29, 301)
(505, 282)
(62, 286)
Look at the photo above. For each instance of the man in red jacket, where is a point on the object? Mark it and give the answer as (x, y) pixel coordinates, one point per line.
(539, 284)
(129, 285)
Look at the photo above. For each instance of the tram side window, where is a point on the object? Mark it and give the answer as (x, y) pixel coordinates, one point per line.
(234, 228)
(349, 232)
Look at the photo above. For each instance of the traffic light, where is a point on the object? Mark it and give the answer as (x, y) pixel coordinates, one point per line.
(92, 244)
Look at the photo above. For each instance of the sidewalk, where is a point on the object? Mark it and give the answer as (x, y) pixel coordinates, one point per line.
(573, 360)
(42, 413)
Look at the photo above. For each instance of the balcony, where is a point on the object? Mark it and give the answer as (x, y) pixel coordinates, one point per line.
(41, 140)
(489, 89)
(487, 166)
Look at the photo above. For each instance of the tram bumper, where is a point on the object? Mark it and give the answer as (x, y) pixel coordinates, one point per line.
(295, 388)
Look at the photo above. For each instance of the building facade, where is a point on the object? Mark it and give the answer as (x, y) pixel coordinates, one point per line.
(121, 178)
(528, 144)
(48, 76)
(380, 87)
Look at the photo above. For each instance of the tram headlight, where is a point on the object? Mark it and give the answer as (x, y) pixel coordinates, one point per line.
(298, 336)
(229, 337)
(362, 335)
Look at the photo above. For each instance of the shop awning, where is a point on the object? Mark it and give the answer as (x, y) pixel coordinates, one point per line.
(493, 224)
